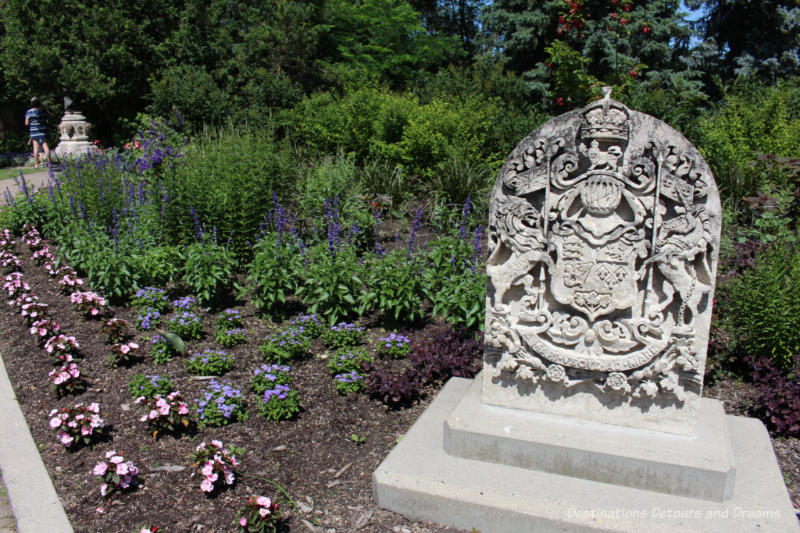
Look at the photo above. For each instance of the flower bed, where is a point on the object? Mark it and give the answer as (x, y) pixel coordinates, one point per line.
(283, 463)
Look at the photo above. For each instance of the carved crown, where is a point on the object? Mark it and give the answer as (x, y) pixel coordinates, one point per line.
(605, 120)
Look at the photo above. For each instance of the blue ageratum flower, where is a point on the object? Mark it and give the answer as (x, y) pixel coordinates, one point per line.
(280, 392)
(148, 319)
(349, 377)
(186, 303)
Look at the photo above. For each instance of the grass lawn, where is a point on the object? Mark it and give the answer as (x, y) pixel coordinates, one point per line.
(14, 171)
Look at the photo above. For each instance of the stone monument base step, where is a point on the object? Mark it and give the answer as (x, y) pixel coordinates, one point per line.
(421, 481)
(699, 467)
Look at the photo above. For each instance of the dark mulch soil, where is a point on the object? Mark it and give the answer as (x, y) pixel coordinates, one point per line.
(313, 458)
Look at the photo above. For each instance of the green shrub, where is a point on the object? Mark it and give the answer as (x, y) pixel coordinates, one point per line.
(325, 177)
(209, 272)
(331, 283)
(192, 91)
(397, 129)
(761, 307)
(393, 288)
(272, 275)
(750, 121)
(224, 185)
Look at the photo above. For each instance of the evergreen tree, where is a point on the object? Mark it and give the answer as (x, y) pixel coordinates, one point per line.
(753, 37)
(567, 49)
(382, 41)
(101, 54)
(458, 18)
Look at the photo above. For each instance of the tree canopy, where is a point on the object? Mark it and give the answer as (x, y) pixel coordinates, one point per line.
(218, 60)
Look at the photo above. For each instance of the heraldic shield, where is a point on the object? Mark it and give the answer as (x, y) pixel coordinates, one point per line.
(603, 233)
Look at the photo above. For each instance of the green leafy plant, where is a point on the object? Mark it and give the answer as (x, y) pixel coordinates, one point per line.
(165, 414)
(272, 275)
(385, 181)
(151, 298)
(393, 287)
(259, 515)
(149, 386)
(209, 363)
(161, 349)
(209, 272)
(462, 300)
(348, 359)
(761, 307)
(285, 345)
(343, 335)
(187, 325)
(331, 283)
(157, 265)
(220, 404)
(280, 403)
(266, 377)
(228, 338)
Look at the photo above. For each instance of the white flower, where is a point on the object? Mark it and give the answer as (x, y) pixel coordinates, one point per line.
(263, 501)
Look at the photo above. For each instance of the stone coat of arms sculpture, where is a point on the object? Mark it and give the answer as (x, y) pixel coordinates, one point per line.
(603, 238)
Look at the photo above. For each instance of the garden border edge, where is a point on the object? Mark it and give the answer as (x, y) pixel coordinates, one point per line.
(33, 497)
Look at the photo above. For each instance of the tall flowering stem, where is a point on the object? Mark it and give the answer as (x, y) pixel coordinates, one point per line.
(377, 216)
(477, 249)
(462, 230)
(414, 229)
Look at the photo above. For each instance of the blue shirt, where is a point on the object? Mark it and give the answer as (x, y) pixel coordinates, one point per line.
(37, 121)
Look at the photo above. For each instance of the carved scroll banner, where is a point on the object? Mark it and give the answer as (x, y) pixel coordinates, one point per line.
(603, 237)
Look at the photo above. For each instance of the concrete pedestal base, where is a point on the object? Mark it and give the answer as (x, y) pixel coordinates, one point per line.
(420, 480)
(67, 149)
(700, 466)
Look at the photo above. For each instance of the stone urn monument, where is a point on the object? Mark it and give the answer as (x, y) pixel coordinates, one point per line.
(604, 230)
(74, 135)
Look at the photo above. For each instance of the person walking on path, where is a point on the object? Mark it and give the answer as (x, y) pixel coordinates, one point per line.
(36, 120)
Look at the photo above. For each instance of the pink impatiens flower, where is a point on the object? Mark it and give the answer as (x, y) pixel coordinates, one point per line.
(100, 469)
